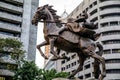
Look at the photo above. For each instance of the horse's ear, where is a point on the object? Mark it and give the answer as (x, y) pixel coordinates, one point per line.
(53, 13)
(46, 5)
(39, 8)
(50, 6)
(57, 16)
(52, 10)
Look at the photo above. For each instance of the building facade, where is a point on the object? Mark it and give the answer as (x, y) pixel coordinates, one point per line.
(106, 15)
(15, 22)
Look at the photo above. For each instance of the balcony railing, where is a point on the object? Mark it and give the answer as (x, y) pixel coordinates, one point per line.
(109, 19)
(111, 10)
(110, 2)
(10, 17)
(10, 7)
(10, 27)
(16, 1)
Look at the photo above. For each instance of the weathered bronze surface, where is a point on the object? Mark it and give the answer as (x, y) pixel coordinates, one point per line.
(69, 41)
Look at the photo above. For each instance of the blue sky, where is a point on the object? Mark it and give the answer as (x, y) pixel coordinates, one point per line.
(60, 6)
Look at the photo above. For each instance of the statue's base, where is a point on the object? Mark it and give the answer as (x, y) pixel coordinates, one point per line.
(65, 79)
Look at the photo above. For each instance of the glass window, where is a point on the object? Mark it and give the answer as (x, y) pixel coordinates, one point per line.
(104, 24)
(111, 42)
(111, 33)
(63, 68)
(87, 75)
(80, 77)
(68, 59)
(63, 61)
(115, 50)
(95, 3)
(94, 19)
(87, 66)
(93, 12)
(113, 71)
(114, 23)
(113, 61)
(73, 71)
(73, 56)
(73, 64)
(107, 52)
(90, 6)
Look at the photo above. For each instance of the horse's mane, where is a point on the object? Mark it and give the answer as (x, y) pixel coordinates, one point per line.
(53, 12)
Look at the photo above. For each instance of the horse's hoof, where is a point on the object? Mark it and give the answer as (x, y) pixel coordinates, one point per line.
(46, 57)
(70, 77)
(54, 59)
(102, 76)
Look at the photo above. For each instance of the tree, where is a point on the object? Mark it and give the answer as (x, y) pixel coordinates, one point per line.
(24, 70)
(28, 71)
(51, 74)
(10, 53)
(11, 46)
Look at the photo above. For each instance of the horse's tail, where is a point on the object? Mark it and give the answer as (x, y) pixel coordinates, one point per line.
(100, 47)
(96, 63)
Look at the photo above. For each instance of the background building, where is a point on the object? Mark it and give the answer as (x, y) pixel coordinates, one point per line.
(15, 22)
(106, 15)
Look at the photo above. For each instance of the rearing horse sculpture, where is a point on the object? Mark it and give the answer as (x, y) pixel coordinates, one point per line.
(67, 41)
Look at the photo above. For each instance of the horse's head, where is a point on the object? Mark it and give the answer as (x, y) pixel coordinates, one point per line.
(44, 13)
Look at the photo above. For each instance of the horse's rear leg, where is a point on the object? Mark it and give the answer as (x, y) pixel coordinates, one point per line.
(39, 49)
(80, 67)
(100, 59)
(97, 70)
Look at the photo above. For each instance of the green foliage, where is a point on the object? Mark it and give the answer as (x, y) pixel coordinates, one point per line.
(29, 71)
(12, 46)
(51, 74)
(62, 74)
(26, 70)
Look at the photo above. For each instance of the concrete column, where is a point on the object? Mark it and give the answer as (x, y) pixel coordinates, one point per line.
(26, 25)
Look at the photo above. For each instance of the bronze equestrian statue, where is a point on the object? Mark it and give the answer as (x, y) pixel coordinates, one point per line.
(68, 41)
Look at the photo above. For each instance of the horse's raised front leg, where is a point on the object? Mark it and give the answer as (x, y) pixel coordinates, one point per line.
(56, 55)
(58, 52)
(100, 59)
(80, 67)
(39, 48)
